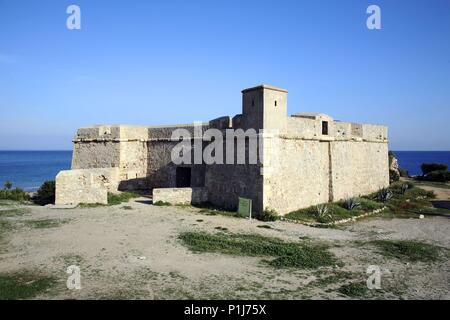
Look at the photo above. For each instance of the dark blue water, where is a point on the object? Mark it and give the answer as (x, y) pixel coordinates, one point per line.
(412, 160)
(29, 169)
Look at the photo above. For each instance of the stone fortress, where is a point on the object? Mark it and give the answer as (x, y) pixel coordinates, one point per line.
(309, 159)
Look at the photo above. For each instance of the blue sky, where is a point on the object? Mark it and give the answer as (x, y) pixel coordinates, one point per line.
(160, 62)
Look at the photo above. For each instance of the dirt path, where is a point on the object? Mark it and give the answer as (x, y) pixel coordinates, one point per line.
(133, 251)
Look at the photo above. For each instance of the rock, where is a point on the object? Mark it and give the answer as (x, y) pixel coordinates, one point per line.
(142, 258)
(421, 216)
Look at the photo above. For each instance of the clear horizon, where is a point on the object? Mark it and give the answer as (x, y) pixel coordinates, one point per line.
(157, 62)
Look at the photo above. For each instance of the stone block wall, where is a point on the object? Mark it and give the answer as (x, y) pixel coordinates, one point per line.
(180, 195)
(86, 185)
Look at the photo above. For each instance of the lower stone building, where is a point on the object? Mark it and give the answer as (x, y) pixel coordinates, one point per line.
(299, 160)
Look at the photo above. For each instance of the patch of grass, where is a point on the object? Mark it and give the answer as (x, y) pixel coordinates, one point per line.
(285, 254)
(336, 277)
(264, 226)
(45, 223)
(432, 211)
(114, 199)
(13, 212)
(334, 212)
(354, 289)
(162, 203)
(5, 227)
(403, 204)
(127, 208)
(23, 285)
(412, 251)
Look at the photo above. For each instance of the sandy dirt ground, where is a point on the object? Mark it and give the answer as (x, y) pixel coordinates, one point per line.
(132, 251)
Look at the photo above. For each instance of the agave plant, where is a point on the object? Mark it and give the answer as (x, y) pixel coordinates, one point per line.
(404, 188)
(384, 195)
(322, 213)
(351, 204)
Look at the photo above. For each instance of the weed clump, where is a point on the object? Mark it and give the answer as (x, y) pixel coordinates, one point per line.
(285, 254)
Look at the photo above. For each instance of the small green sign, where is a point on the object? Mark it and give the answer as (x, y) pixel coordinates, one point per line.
(245, 207)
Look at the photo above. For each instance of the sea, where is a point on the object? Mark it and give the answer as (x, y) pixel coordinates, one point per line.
(29, 169)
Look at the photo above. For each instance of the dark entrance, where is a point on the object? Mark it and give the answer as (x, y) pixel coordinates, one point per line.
(183, 177)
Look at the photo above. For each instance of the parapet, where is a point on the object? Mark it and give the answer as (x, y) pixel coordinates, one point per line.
(112, 133)
(319, 126)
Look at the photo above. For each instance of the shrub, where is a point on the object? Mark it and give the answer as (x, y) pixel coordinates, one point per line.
(430, 167)
(8, 185)
(403, 173)
(384, 195)
(16, 194)
(438, 176)
(46, 193)
(268, 215)
(394, 176)
(351, 204)
(369, 205)
(404, 188)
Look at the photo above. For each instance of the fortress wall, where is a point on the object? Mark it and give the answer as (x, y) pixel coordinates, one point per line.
(133, 165)
(299, 177)
(342, 130)
(305, 128)
(358, 168)
(311, 172)
(85, 185)
(160, 171)
(95, 154)
(226, 183)
(372, 132)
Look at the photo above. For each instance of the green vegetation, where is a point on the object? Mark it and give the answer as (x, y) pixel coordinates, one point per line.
(285, 254)
(8, 185)
(412, 251)
(13, 212)
(46, 193)
(5, 226)
(354, 289)
(17, 194)
(401, 200)
(45, 223)
(331, 212)
(268, 215)
(430, 167)
(114, 199)
(211, 210)
(23, 285)
(162, 204)
(435, 172)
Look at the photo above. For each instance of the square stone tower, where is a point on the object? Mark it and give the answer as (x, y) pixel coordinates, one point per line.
(264, 107)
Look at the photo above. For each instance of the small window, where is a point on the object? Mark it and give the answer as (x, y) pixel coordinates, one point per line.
(325, 127)
(275, 103)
